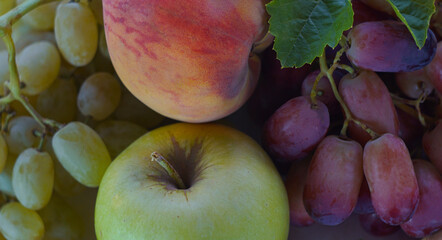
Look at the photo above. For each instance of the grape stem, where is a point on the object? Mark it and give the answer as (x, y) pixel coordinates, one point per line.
(13, 86)
(348, 115)
(156, 157)
(403, 104)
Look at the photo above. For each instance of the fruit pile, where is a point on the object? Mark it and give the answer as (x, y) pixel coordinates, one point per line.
(353, 136)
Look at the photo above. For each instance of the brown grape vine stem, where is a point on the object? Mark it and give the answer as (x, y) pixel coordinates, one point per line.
(328, 72)
(14, 86)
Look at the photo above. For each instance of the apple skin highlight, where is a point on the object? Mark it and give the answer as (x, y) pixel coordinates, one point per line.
(192, 61)
(233, 190)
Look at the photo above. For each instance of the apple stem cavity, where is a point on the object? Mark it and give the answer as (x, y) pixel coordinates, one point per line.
(156, 157)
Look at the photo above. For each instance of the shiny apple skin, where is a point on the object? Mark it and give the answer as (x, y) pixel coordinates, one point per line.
(234, 191)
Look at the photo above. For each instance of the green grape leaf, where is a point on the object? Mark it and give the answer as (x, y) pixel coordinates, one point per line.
(416, 15)
(303, 28)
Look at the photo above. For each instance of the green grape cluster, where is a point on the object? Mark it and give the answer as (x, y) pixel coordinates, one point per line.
(64, 116)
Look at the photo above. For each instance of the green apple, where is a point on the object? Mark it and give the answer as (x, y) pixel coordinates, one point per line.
(189, 181)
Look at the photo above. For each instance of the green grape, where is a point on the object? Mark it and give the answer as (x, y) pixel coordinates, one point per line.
(20, 223)
(6, 5)
(3, 153)
(6, 176)
(59, 101)
(118, 135)
(38, 66)
(33, 178)
(61, 221)
(102, 44)
(33, 36)
(64, 183)
(42, 17)
(76, 32)
(99, 96)
(133, 110)
(20, 134)
(97, 8)
(82, 153)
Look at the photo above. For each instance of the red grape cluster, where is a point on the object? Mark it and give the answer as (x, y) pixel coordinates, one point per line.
(385, 163)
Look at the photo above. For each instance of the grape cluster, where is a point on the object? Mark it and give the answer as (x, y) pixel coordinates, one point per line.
(68, 118)
(363, 133)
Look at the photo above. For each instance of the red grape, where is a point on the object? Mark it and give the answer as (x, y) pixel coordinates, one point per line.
(388, 46)
(296, 128)
(434, 69)
(369, 101)
(428, 216)
(294, 184)
(333, 180)
(413, 84)
(432, 145)
(391, 178)
(374, 225)
(364, 205)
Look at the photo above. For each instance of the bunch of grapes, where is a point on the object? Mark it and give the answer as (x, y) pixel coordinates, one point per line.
(364, 135)
(64, 114)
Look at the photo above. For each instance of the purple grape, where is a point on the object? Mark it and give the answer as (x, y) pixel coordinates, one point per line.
(388, 46)
(333, 180)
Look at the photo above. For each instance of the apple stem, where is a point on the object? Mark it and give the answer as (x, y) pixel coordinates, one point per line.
(169, 169)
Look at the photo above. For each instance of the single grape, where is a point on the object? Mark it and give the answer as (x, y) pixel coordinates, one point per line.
(38, 66)
(296, 128)
(374, 225)
(82, 153)
(20, 223)
(42, 17)
(99, 96)
(33, 178)
(3, 152)
(20, 134)
(414, 84)
(59, 101)
(61, 221)
(76, 32)
(6, 5)
(133, 110)
(364, 205)
(428, 218)
(118, 135)
(388, 46)
(333, 180)
(434, 69)
(64, 183)
(6, 176)
(391, 178)
(368, 99)
(294, 184)
(432, 145)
